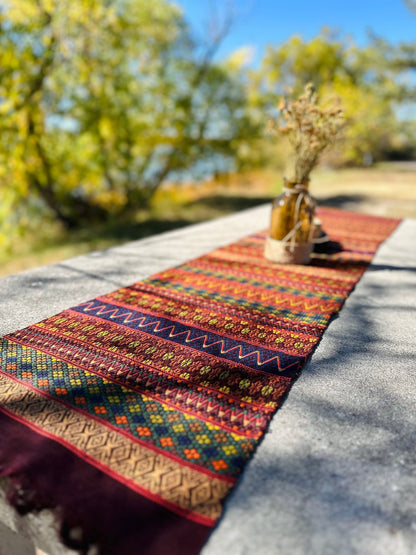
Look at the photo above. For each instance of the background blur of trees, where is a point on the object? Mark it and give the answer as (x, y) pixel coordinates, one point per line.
(102, 101)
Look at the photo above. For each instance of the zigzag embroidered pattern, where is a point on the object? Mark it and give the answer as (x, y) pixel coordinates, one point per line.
(215, 344)
(168, 384)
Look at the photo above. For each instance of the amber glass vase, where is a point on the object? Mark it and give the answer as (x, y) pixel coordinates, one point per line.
(291, 226)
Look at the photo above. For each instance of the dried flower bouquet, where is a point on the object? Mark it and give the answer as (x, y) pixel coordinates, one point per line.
(310, 129)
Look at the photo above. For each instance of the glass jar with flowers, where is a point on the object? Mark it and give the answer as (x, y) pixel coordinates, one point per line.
(310, 129)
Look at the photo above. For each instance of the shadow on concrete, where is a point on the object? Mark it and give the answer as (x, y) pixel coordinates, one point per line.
(378, 267)
(348, 461)
(341, 201)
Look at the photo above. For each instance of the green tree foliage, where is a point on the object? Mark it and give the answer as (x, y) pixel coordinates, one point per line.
(362, 78)
(411, 4)
(399, 62)
(296, 62)
(103, 100)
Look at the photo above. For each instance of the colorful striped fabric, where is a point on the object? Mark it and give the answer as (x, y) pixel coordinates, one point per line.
(136, 412)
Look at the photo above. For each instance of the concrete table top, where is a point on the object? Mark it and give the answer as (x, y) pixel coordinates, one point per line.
(336, 471)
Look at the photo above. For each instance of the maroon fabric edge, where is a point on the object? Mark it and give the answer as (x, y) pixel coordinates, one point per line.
(44, 474)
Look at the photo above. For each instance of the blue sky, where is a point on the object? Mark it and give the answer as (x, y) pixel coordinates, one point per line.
(260, 22)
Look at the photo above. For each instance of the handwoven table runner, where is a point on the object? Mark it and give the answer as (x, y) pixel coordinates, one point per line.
(135, 413)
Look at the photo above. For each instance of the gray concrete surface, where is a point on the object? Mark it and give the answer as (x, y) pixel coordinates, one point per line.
(336, 471)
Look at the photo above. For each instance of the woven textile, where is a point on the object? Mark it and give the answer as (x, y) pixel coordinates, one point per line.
(136, 412)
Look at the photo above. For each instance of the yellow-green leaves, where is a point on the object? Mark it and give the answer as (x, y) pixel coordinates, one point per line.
(100, 102)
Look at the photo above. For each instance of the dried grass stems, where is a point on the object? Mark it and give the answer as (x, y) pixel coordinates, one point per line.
(310, 129)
